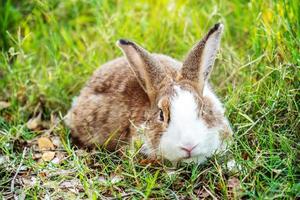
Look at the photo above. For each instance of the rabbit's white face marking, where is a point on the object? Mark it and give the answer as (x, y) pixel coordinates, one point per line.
(187, 130)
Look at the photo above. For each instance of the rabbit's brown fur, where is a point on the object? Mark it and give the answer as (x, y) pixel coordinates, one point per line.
(110, 99)
(113, 99)
(140, 89)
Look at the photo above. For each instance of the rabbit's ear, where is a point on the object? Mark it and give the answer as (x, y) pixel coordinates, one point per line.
(199, 61)
(146, 68)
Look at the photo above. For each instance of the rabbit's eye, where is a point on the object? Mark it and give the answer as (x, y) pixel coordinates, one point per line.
(161, 115)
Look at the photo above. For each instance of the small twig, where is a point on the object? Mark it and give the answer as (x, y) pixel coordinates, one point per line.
(12, 185)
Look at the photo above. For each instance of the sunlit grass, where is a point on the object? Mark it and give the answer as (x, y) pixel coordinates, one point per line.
(50, 48)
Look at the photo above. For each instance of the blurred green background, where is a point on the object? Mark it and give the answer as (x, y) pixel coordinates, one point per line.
(49, 49)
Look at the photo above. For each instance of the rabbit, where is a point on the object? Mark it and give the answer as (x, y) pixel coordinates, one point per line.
(168, 105)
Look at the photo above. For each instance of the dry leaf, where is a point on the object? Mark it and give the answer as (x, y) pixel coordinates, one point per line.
(21, 196)
(3, 159)
(21, 94)
(245, 155)
(73, 185)
(172, 172)
(102, 180)
(50, 184)
(149, 161)
(45, 143)
(48, 155)
(81, 153)
(70, 183)
(35, 123)
(234, 183)
(55, 160)
(47, 196)
(4, 104)
(56, 141)
(37, 156)
(234, 187)
(28, 181)
(42, 174)
(202, 193)
(23, 168)
(58, 158)
(233, 167)
(115, 178)
(62, 172)
(54, 119)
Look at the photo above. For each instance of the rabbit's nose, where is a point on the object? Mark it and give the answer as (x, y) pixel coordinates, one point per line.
(188, 149)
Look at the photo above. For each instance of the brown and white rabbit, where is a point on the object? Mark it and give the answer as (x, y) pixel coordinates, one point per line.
(181, 117)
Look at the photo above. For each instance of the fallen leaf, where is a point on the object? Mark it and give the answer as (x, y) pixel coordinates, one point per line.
(81, 153)
(3, 159)
(8, 117)
(73, 185)
(234, 183)
(21, 196)
(37, 156)
(23, 168)
(59, 157)
(35, 123)
(55, 160)
(277, 171)
(172, 172)
(67, 184)
(56, 141)
(48, 155)
(70, 183)
(245, 155)
(115, 178)
(4, 104)
(233, 166)
(54, 119)
(21, 94)
(47, 196)
(45, 143)
(62, 172)
(234, 187)
(50, 184)
(149, 161)
(43, 174)
(28, 181)
(102, 180)
(203, 194)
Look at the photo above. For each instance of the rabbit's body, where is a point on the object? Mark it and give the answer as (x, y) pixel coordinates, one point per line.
(112, 103)
(181, 116)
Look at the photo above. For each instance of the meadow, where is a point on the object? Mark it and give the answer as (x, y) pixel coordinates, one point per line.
(49, 49)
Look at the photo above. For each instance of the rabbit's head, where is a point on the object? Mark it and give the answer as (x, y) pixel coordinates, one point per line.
(183, 122)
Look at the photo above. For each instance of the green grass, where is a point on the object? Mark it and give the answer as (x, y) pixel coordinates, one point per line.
(50, 48)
